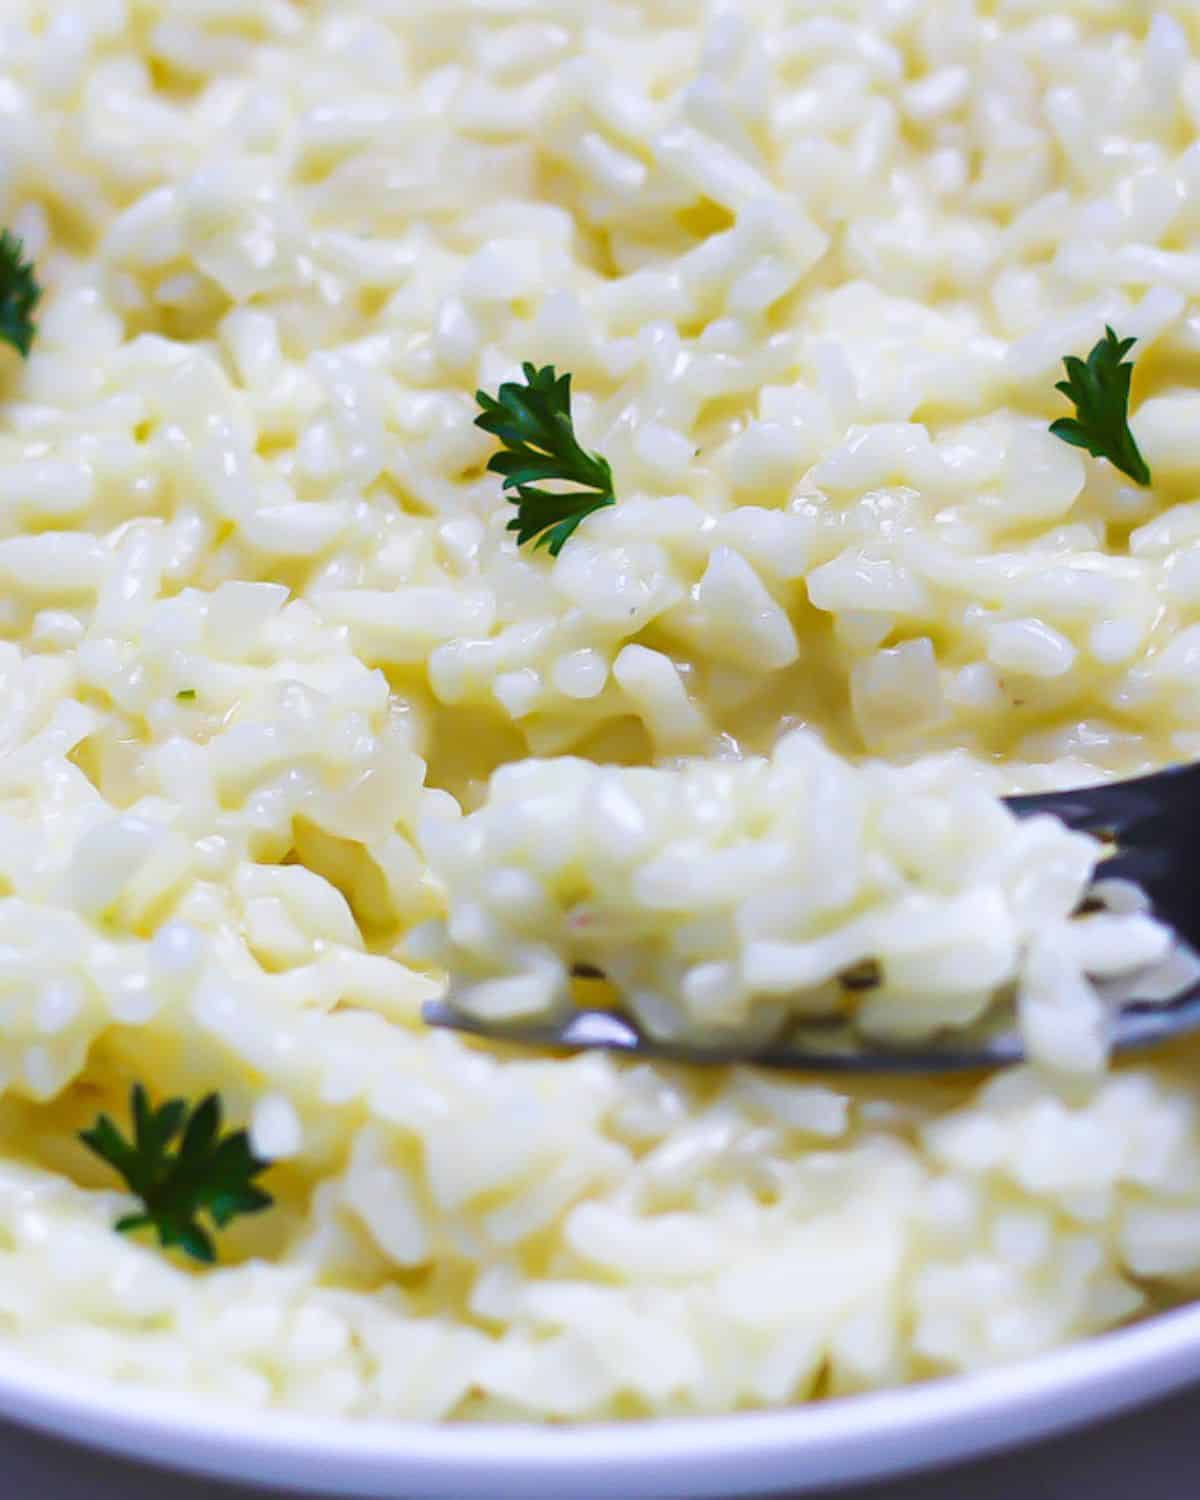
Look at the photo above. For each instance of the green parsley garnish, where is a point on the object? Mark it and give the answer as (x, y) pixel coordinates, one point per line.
(19, 295)
(186, 695)
(533, 421)
(1099, 390)
(202, 1173)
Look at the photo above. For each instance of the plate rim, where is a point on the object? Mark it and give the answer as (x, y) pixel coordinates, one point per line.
(846, 1440)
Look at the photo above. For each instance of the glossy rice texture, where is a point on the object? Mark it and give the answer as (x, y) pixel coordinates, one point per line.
(274, 677)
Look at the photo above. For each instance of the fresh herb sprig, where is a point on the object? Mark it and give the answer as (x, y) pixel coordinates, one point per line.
(534, 423)
(1099, 391)
(19, 295)
(180, 1166)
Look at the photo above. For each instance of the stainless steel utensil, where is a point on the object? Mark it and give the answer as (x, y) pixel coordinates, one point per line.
(1153, 823)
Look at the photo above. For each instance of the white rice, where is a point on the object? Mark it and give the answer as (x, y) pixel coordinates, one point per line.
(727, 899)
(813, 268)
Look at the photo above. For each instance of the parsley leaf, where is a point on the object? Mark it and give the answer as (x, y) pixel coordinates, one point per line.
(533, 421)
(1099, 390)
(19, 295)
(186, 695)
(180, 1166)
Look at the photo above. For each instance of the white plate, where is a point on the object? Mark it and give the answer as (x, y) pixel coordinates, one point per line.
(860, 1438)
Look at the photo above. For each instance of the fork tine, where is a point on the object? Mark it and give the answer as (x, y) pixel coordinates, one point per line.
(604, 1031)
(1135, 1029)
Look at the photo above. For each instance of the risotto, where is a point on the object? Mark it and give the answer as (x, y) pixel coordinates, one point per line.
(294, 733)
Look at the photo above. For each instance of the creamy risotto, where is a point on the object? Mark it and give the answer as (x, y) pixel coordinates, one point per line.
(291, 728)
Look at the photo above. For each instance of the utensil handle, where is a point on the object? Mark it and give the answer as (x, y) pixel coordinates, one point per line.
(1122, 807)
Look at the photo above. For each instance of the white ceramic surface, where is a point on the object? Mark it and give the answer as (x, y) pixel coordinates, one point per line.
(1153, 1452)
(783, 1452)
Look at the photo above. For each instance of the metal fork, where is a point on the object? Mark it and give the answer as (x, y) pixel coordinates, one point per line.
(1153, 823)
